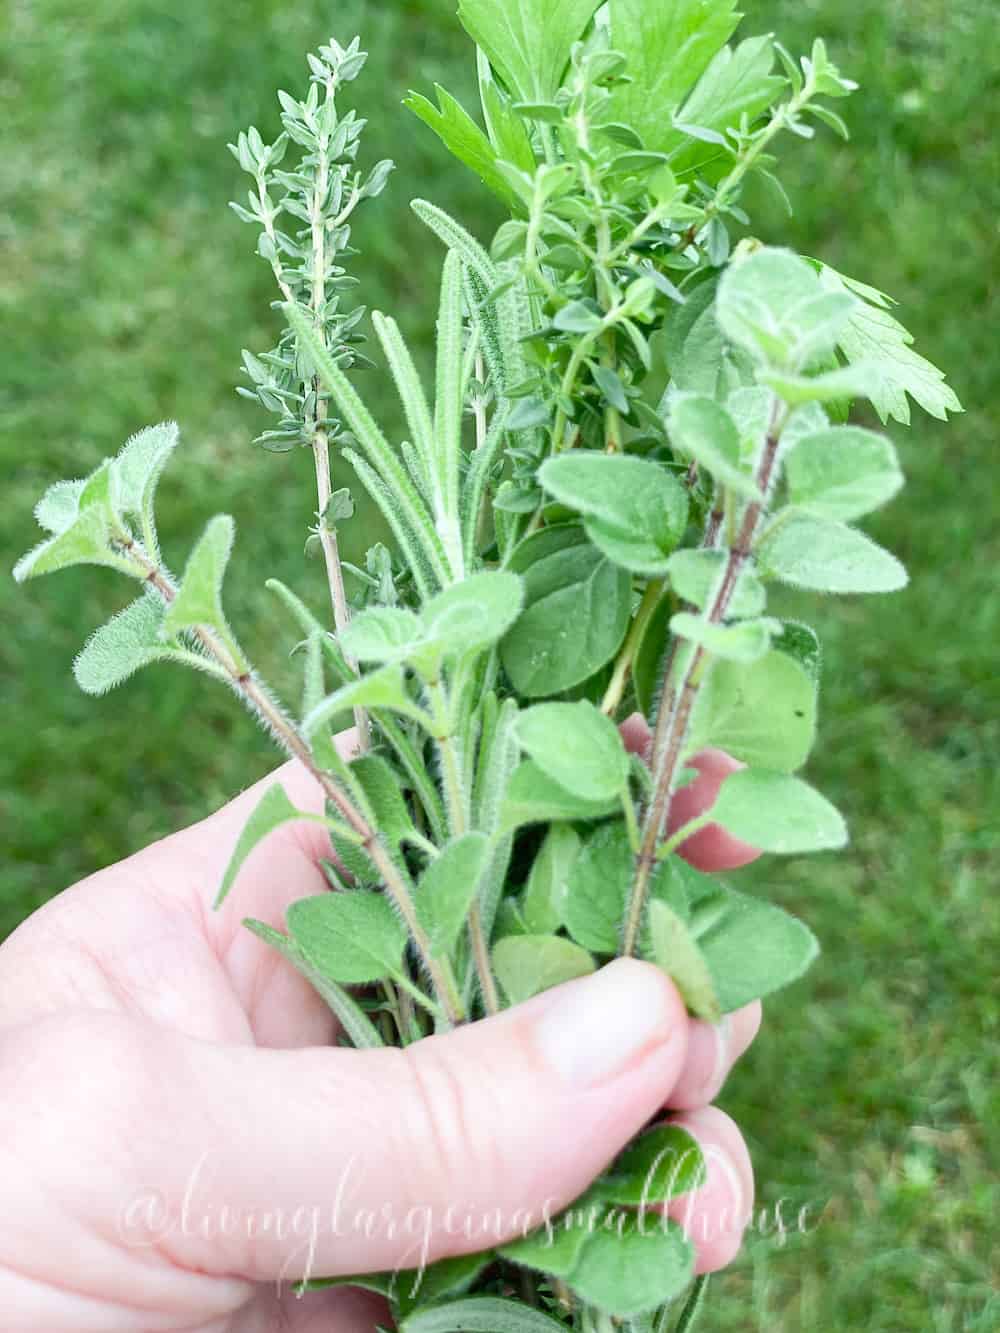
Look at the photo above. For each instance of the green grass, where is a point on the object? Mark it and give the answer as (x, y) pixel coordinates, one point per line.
(128, 289)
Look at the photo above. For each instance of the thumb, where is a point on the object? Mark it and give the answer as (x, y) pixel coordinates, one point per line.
(330, 1162)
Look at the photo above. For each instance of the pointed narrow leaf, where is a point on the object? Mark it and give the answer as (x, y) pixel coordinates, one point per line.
(139, 465)
(199, 598)
(383, 793)
(385, 688)
(272, 810)
(464, 139)
(351, 1017)
(448, 888)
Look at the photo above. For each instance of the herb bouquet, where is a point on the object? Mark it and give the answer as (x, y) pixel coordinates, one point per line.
(638, 424)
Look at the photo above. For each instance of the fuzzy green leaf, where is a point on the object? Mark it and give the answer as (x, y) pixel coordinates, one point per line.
(139, 465)
(674, 950)
(271, 811)
(199, 598)
(633, 1263)
(534, 798)
(525, 965)
(696, 575)
(597, 887)
(448, 888)
(385, 688)
(59, 506)
(772, 304)
(777, 813)
(130, 640)
(835, 386)
(763, 712)
(474, 614)
(577, 746)
(349, 1014)
(815, 553)
(527, 41)
(545, 892)
(751, 948)
(744, 642)
(842, 473)
(556, 1247)
(703, 430)
(354, 937)
(382, 634)
(634, 511)
(577, 610)
(84, 542)
(658, 1167)
(383, 793)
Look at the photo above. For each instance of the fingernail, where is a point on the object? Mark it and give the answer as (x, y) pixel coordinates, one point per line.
(598, 1027)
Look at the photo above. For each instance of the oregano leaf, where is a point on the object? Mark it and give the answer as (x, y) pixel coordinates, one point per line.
(353, 938)
(777, 813)
(525, 965)
(448, 888)
(577, 746)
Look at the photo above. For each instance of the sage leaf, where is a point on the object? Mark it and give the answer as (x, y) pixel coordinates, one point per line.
(762, 712)
(354, 938)
(383, 792)
(130, 640)
(702, 429)
(351, 1017)
(577, 611)
(525, 965)
(199, 598)
(809, 552)
(777, 813)
(577, 746)
(842, 473)
(139, 466)
(271, 811)
(555, 1248)
(448, 888)
(384, 688)
(634, 511)
(659, 1166)
(597, 888)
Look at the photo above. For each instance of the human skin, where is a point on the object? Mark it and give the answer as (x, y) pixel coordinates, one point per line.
(180, 1140)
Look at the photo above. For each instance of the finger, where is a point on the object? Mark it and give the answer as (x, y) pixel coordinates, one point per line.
(716, 1215)
(712, 848)
(394, 1157)
(343, 1310)
(713, 1049)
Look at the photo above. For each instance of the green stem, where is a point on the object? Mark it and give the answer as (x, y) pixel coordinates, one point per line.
(693, 1305)
(626, 658)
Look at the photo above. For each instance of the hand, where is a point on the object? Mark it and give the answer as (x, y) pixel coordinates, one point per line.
(169, 1088)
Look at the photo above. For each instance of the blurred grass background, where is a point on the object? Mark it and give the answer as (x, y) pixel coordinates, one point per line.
(127, 289)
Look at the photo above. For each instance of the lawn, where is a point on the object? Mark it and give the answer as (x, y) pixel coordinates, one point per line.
(126, 293)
